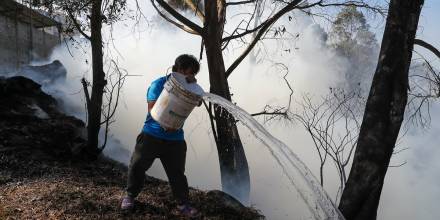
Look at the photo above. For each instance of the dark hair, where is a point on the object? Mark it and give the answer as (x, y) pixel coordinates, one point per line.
(186, 61)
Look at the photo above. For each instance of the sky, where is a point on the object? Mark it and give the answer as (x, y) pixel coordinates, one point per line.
(429, 27)
(410, 191)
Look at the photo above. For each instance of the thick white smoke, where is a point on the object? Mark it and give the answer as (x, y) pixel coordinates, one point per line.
(313, 68)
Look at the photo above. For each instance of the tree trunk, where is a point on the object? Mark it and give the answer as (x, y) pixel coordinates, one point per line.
(233, 164)
(99, 82)
(384, 113)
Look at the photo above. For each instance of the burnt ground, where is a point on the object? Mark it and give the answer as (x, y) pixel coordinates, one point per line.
(45, 174)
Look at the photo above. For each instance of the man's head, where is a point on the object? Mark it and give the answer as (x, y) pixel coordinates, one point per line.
(186, 64)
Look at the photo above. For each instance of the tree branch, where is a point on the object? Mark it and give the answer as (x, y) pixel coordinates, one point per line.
(399, 165)
(211, 119)
(359, 4)
(274, 112)
(244, 33)
(86, 91)
(187, 26)
(76, 24)
(240, 2)
(196, 9)
(113, 91)
(264, 27)
(428, 46)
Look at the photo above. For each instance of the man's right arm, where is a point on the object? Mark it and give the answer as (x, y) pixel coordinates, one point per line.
(153, 93)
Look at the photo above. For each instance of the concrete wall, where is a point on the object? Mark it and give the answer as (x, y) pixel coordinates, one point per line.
(19, 44)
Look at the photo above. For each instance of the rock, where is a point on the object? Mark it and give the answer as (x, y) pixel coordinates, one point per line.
(26, 111)
(18, 94)
(45, 74)
(19, 84)
(39, 113)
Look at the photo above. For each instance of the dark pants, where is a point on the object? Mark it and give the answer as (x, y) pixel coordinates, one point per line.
(172, 154)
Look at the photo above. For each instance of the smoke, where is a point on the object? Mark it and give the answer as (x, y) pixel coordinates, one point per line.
(60, 76)
(148, 52)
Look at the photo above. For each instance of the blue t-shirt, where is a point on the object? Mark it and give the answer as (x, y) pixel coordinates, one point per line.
(151, 126)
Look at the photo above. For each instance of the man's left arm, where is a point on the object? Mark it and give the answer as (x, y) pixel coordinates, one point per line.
(150, 105)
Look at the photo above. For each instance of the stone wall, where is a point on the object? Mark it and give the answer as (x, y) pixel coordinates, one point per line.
(20, 44)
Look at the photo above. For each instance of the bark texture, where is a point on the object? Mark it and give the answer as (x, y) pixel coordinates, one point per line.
(384, 113)
(233, 164)
(99, 82)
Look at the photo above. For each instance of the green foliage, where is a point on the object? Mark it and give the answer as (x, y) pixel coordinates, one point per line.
(349, 30)
(351, 37)
(112, 11)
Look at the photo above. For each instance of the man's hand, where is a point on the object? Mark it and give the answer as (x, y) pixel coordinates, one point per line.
(169, 129)
(150, 105)
(191, 79)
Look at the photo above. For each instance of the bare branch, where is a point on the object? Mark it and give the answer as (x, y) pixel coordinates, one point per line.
(113, 95)
(226, 40)
(396, 151)
(240, 2)
(85, 84)
(196, 9)
(264, 27)
(399, 165)
(424, 87)
(242, 34)
(323, 123)
(187, 26)
(428, 46)
(358, 4)
(274, 112)
(76, 24)
(211, 119)
(139, 14)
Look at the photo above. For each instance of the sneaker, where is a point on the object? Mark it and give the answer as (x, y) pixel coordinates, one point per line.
(127, 203)
(188, 211)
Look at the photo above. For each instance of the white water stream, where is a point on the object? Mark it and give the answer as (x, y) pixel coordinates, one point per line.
(300, 176)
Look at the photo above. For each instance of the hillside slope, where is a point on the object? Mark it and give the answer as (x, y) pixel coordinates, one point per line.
(45, 174)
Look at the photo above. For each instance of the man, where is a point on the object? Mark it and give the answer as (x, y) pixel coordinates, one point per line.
(157, 142)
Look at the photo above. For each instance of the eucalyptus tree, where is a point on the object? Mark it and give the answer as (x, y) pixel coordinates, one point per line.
(350, 35)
